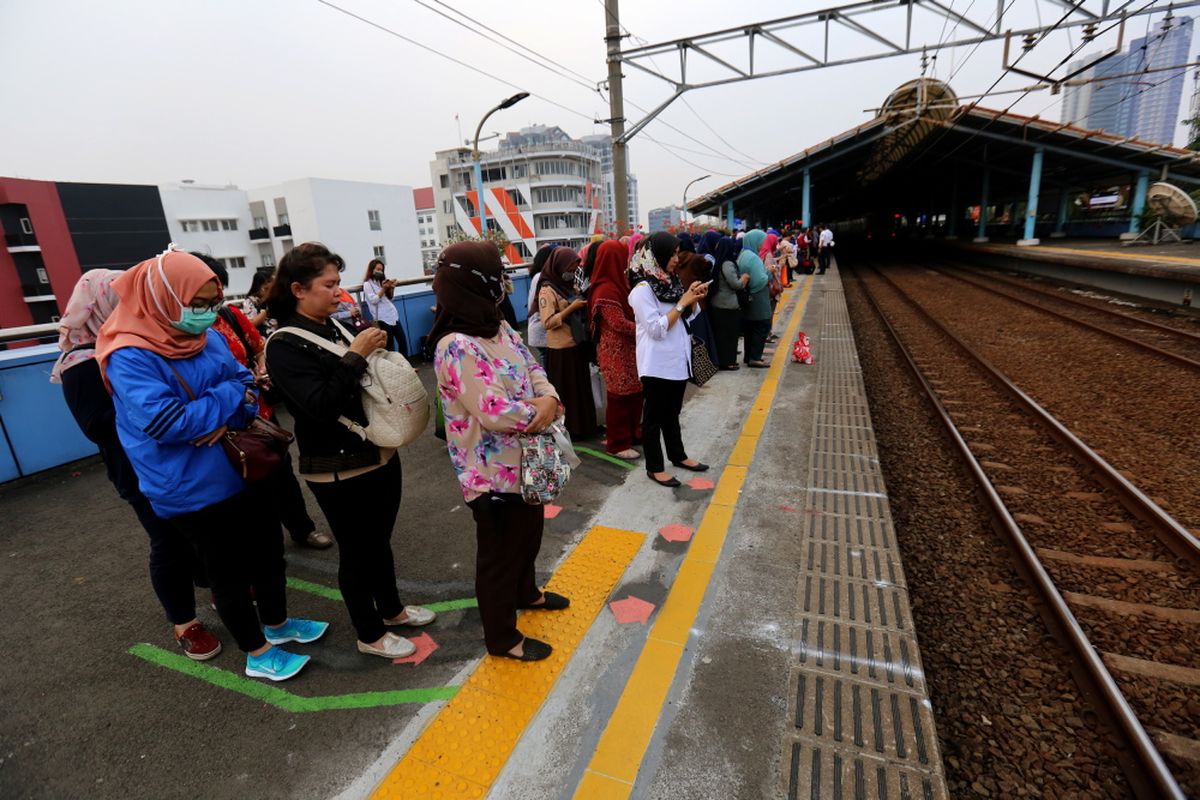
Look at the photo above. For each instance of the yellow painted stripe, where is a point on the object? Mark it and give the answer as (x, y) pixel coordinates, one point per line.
(464, 748)
(1121, 256)
(618, 756)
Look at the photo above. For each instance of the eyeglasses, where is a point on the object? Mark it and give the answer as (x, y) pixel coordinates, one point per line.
(205, 305)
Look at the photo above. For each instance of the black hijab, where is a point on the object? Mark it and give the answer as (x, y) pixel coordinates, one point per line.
(469, 290)
(562, 261)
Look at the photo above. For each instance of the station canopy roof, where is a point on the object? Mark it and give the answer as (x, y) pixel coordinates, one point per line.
(924, 147)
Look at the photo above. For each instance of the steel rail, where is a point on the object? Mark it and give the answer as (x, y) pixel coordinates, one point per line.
(1112, 312)
(1150, 348)
(1167, 529)
(1148, 774)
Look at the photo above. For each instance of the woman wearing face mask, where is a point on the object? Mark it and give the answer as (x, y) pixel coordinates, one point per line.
(535, 333)
(567, 363)
(176, 390)
(356, 482)
(377, 293)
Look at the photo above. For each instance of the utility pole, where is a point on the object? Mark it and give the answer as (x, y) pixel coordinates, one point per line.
(616, 111)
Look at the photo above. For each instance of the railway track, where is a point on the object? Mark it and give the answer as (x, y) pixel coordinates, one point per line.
(1170, 342)
(1093, 546)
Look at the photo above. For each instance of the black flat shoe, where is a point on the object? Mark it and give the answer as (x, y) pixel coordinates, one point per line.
(731, 368)
(669, 482)
(699, 467)
(533, 650)
(552, 602)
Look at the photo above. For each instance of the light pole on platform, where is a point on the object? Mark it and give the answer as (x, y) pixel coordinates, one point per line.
(685, 191)
(506, 103)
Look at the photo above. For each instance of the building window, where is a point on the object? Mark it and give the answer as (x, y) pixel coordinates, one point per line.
(236, 262)
(379, 253)
(450, 230)
(42, 275)
(26, 225)
(517, 198)
(210, 225)
(284, 219)
(444, 181)
(445, 206)
(268, 259)
(373, 220)
(229, 224)
(260, 222)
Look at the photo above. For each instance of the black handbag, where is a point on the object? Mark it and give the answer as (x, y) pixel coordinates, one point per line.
(702, 366)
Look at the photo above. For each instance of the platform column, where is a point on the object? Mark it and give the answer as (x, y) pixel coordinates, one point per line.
(952, 214)
(1031, 207)
(729, 215)
(983, 206)
(1064, 206)
(1139, 204)
(806, 200)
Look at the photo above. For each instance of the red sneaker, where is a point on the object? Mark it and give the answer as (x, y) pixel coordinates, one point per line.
(198, 643)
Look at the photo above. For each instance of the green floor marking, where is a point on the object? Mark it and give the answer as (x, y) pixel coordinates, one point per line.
(605, 457)
(273, 695)
(329, 593)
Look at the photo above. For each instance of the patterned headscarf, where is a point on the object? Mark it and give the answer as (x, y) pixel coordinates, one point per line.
(91, 303)
(645, 268)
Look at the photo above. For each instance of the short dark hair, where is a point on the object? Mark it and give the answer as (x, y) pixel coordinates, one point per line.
(216, 266)
(302, 264)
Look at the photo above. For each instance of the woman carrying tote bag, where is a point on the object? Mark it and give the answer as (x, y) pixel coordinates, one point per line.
(492, 391)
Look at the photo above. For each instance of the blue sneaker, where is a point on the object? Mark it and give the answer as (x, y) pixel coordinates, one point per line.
(297, 630)
(275, 664)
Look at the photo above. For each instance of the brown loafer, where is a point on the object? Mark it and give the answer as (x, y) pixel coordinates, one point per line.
(317, 541)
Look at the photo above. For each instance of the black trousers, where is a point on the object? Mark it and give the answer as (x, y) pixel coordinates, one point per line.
(289, 502)
(362, 513)
(727, 323)
(823, 258)
(174, 565)
(757, 331)
(508, 532)
(660, 416)
(396, 336)
(241, 546)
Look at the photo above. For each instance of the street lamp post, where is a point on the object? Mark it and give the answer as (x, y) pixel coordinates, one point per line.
(685, 191)
(508, 102)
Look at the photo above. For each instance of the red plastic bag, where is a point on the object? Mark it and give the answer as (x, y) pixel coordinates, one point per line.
(801, 352)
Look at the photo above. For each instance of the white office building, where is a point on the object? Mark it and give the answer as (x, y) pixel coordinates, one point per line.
(540, 187)
(358, 221)
(214, 220)
(427, 227)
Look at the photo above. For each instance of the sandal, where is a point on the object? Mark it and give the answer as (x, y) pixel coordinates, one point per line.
(551, 601)
(628, 455)
(533, 650)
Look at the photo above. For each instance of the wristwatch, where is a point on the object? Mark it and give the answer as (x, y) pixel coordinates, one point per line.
(679, 309)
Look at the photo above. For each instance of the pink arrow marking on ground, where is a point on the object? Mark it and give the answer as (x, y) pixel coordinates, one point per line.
(700, 483)
(788, 508)
(552, 510)
(676, 532)
(425, 647)
(631, 609)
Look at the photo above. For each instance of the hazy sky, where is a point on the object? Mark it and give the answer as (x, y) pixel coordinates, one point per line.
(255, 92)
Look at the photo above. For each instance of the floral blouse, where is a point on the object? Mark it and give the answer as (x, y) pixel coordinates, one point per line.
(485, 385)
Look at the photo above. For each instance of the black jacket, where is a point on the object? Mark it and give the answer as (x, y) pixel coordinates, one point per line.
(318, 387)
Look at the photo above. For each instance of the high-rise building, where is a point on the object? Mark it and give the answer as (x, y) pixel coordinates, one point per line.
(663, 218)
(540, 187)
(1144, 106)
(603, 145)
(427, 228)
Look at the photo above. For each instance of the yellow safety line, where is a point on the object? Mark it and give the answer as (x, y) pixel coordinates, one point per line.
(466, 745)
(1121, 256)
(618, 755)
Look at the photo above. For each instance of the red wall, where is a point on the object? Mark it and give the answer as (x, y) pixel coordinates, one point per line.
(53, 236)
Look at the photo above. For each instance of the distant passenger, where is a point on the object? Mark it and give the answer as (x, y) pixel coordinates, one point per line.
(787, 259)
(723, 301)
(774, 285)
(756, 315)
(564, 316)
(664, 352)
(254, 306)
(535, 333)
(177, 390)
(377, 294)
(249, 350)
(692, 268)
(492, 391)
(613, 328)
(173, 562)
(356, 482)
(825, 248)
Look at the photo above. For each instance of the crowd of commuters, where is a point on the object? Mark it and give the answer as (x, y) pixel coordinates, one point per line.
(158, 369)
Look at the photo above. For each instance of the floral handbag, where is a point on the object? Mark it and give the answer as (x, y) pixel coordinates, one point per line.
(547, 459)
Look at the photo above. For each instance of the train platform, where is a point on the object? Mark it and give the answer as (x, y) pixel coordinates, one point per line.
(1175, 262)
(747, 635)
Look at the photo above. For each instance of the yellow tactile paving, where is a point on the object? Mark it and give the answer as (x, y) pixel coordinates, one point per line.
(466, 745)
(1122, 256)
(618, 756)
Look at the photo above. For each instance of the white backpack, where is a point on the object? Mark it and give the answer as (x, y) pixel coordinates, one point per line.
(393, 398)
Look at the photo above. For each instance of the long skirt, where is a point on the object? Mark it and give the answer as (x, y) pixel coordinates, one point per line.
(568, 371)
(624, 420)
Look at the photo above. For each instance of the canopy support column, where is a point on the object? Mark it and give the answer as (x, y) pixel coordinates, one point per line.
(1139, 205)
(1031, 208)
(1064, 207)
(983, 206)
(806, 200)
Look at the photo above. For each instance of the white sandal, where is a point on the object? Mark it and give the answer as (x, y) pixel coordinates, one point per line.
(414, 616)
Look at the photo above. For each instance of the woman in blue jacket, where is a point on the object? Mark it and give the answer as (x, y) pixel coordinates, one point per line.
(177, 389)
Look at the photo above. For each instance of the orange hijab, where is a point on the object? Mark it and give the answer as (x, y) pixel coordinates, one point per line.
(153, 295)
